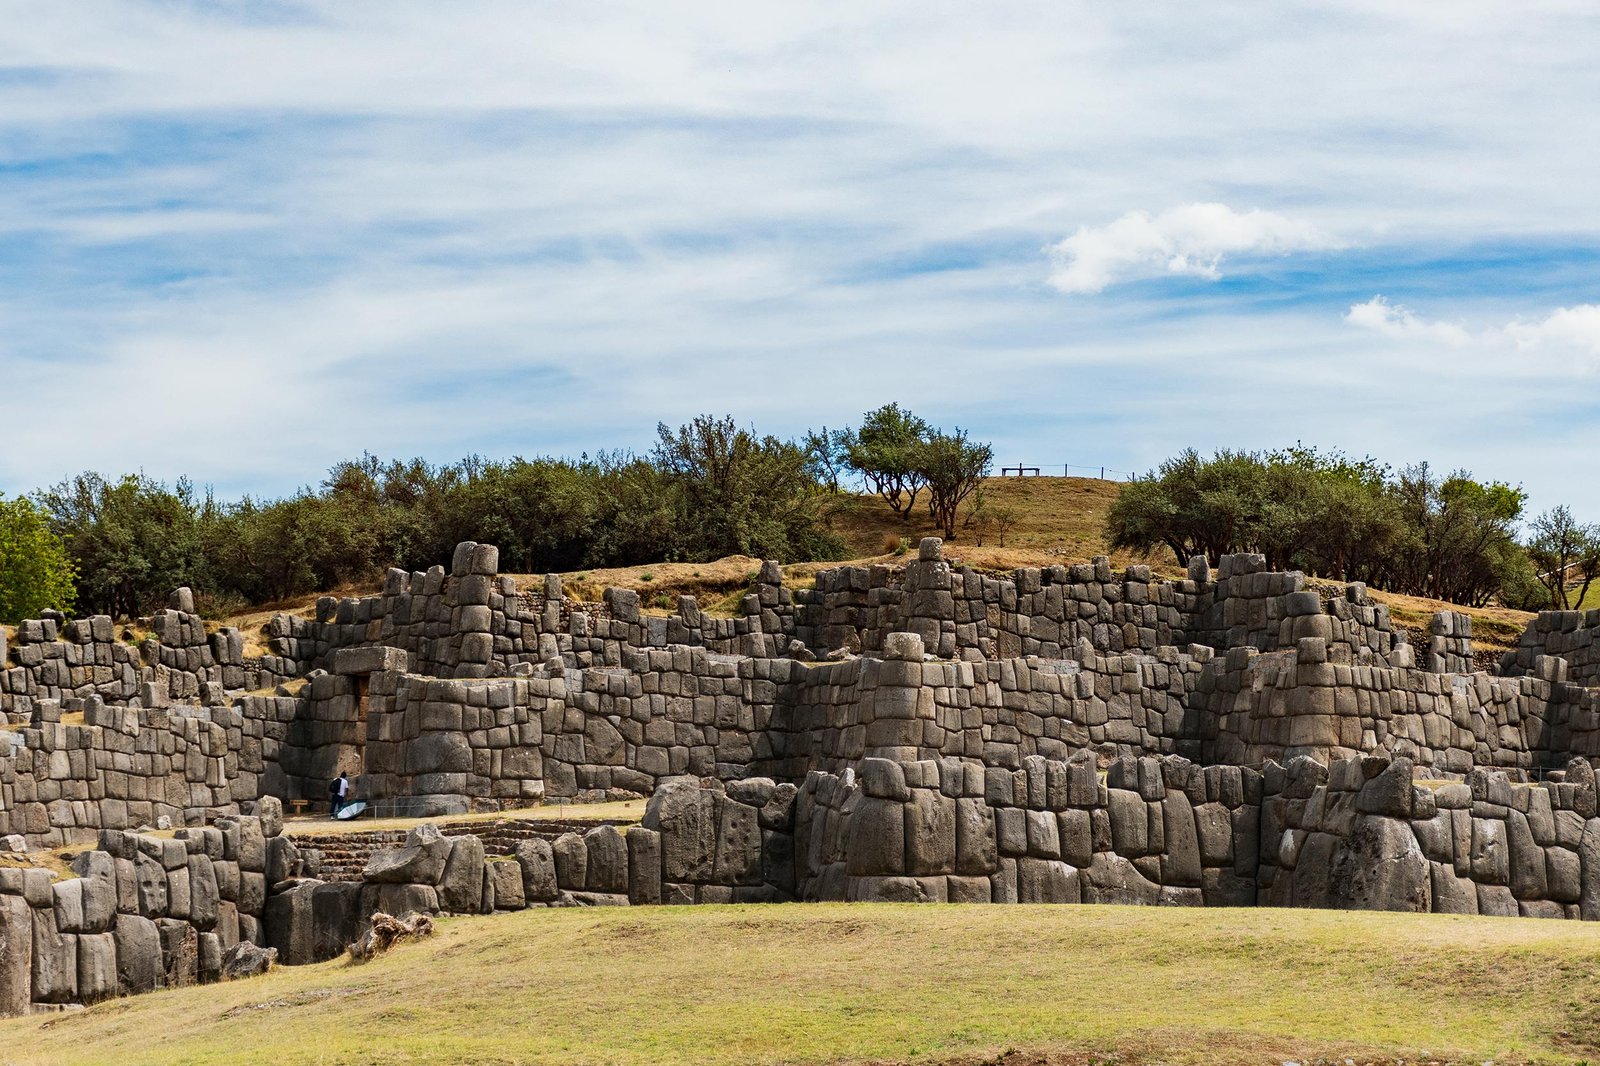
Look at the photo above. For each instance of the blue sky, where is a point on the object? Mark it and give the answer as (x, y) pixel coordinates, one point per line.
(239, 242)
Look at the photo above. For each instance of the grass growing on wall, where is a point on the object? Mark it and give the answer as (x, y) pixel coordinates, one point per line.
(825, 983)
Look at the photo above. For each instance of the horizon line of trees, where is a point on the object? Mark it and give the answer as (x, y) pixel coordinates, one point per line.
(711, 488)
(1447, 537)
(707, 489)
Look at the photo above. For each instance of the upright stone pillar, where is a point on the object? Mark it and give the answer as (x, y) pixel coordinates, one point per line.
(930, 607)
(900, 709)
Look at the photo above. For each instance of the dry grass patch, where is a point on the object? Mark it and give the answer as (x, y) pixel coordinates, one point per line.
(852, 983)
(617, 811)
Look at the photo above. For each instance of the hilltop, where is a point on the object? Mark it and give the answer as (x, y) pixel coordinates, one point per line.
(1056, 521)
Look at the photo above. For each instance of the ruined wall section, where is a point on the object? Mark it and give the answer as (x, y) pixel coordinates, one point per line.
(904, 707)
(1361, 835)
(1315, 701)
(1572, 636)
(142, 913)
(127, 766)
(1049, 612)
(449, 745)
(59, 660)
(1155, 831)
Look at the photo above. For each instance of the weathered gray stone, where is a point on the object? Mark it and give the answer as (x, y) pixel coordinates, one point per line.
(930, 836)
(738, 856)
(16, 955)
(538, 864)
(572, 861)
(1380, 867)
(289, 923)
(461, 883)
(975, 838)
(247, 960)
(1047, 881)
(686, 817)
(55, 960)
(97, 967)
(140, 965)
(607, 865)
(876, 844)
(507, 878)
(420, 861)
(644, 865)
(1112, 878)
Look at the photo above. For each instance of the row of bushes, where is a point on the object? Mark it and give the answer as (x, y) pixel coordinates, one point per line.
(1413, 531)
(706, 490)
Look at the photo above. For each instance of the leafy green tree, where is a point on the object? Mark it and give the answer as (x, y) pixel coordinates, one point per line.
(132, 540)
(1323, 512)
(35, 573)
(1459, 536)
(1566, 555)
(952, 467)
(737, 493)
(887, 451)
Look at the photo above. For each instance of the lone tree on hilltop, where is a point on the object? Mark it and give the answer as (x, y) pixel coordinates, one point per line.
(887, 452)
(952, 467)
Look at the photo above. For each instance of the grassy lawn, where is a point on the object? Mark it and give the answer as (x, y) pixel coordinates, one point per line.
(889, 984)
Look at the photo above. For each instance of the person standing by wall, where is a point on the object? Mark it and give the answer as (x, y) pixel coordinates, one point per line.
(338, 792)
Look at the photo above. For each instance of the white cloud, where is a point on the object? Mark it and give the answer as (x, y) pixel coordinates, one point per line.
(241, 245)
(1393, 320)
(1192, 240)
(1573, 328)
(1568, 334)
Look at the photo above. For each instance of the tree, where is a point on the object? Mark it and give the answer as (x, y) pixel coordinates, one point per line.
(132, 541)
(1564, 551)
(737, 493)
(951, 467)
(887, 452)
(1326, 513)
(1460, 535)
(826, 450)
(35, 573)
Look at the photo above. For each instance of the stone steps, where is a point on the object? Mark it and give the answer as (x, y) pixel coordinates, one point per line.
(345, 855)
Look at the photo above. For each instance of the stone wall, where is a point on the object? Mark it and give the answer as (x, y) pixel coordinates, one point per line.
(126, 766)
(1315, 701)
(58, 660)
(141, 913)
(1362, 834)
(1571, 636)
(1154, 831)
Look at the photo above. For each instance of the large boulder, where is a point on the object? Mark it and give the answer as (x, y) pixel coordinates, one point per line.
(1112, 878)
(421, 861)
(245, 959)
(16, 955)
(538, 863)
(607, 867)
(139, 963)
(461, 885)
(930, 835)
(686, 817)
(1380, 867)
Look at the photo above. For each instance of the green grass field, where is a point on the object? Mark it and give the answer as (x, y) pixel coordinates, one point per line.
(887, 984)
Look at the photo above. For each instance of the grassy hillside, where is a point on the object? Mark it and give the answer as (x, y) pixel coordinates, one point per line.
(832, 983)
